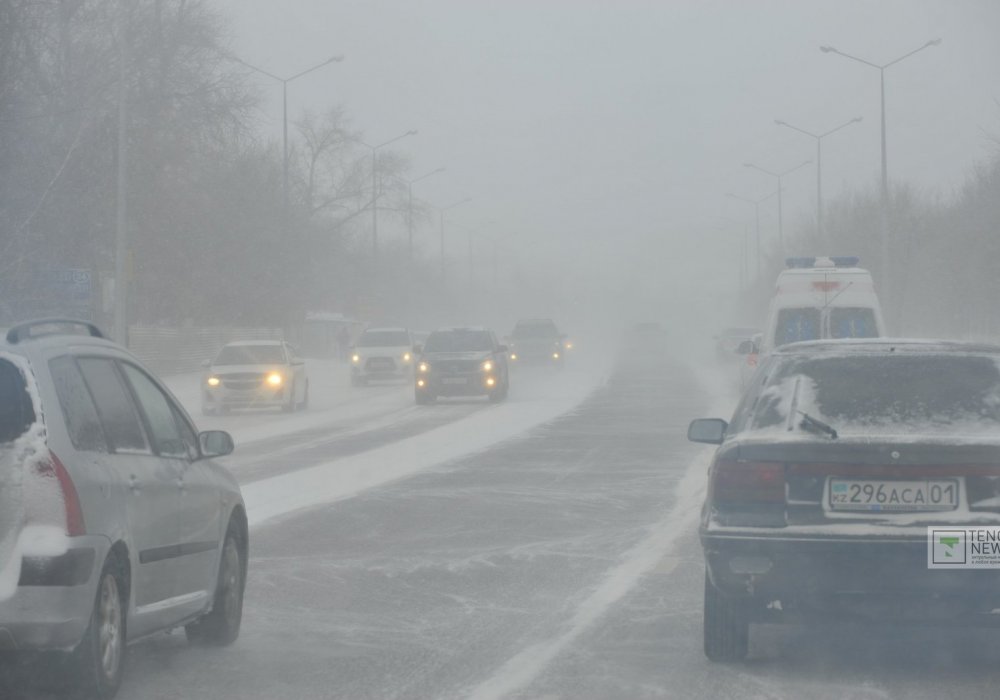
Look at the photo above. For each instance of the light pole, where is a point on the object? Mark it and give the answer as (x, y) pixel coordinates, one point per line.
(819, 165)
(885, 168)
(409, 209)
(781, 231)
(756, 210)
(284, 119)
(442, 210)
(374, 150)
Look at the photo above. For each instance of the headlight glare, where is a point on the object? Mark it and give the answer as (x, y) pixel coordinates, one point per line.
(213, 381)
(424, 367)
(275, 379)
(355, 358)
(488, 366)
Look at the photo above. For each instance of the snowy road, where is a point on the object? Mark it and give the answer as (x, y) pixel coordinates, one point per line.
(456, 552)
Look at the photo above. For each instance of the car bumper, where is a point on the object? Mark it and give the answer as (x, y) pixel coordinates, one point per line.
(52, 604)
(257, 398)
(782, 578)
(396, 372)
(459, 385)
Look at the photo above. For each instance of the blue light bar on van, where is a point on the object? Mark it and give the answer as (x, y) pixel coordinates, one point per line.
(832, 261)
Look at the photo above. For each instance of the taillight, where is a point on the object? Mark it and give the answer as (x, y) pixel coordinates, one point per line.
(747, 482)
(52, 468)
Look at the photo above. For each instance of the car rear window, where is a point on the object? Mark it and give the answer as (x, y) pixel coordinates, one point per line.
(383, 339)
(250, 355)
(16, 411)
(797, 324)
(852, 323)
(939, 394)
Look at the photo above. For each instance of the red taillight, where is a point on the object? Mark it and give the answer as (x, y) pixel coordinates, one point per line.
(53, 468)
(747, 482)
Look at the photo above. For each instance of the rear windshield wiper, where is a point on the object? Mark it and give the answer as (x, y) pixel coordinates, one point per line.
(810, 423)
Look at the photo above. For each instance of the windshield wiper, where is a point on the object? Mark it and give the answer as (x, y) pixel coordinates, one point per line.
(808, 422)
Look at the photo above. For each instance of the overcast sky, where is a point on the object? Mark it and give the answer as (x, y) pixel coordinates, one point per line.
(607, 127)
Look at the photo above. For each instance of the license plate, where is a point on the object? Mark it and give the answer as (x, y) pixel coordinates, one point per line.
(455, 381)
(870, 495)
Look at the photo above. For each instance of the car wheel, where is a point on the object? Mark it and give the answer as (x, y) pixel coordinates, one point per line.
(291, 405)
(98, 661)
(305, 398)
(497, 395)
(221, 626)
(726, 629)
(423, 398)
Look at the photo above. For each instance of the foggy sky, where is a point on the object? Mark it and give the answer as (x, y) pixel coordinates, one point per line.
(606, 133)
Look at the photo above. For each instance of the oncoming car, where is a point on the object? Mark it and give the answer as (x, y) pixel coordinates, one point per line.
(461, 362)
(255, 374)
(837, 461)
(115, 522)
(382, 353)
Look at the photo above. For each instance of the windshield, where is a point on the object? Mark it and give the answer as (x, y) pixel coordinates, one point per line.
(250, 355)
(459, 341)
(528, 331)
(382, 339)
(879, 394)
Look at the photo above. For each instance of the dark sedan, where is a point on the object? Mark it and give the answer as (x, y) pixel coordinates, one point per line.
(841, 464)
(461, 362)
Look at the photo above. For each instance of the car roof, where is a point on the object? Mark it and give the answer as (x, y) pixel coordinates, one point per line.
(61, 340)
(885, 345)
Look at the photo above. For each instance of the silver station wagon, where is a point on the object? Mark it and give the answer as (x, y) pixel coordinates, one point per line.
(115, 523)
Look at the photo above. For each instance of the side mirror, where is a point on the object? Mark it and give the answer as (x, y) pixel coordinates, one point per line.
(502, 348)
(708, 430)
(418, 349)
(215, 443)
(747, 347)
(206, 363)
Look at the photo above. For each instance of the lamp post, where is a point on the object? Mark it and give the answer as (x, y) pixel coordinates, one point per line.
(409, 208)
(819, 165)
(781, 232)
(374, 150)
(442, 210)
(756, 209)
(885, 168)
(284, 119)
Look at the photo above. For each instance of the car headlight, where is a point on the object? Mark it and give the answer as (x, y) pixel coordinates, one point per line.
(488, 366)
(513, 356)
(407, 357)
(555, 356)
(213, 381)
(274, 379)
(424, 367)
(355, 358)
(568, 345)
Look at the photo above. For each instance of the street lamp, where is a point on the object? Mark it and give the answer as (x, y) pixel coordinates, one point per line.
(409, 189)
(819, 165)
(442, 210)
(781, 232)
(284, 120)
(374, 150)
(756, 208)
(885, 170)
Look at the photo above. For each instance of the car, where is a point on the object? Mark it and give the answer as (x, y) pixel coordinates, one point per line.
(729, 341)
(464, 361)
(382, 353)
(836, 462)
(255, 374)
(115, 521)
(537, 341)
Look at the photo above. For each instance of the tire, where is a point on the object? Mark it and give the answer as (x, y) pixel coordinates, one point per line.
(422, 398)
(726, 629)
(98, 662)
(221, 626)
(291, 405)
(305, 398)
